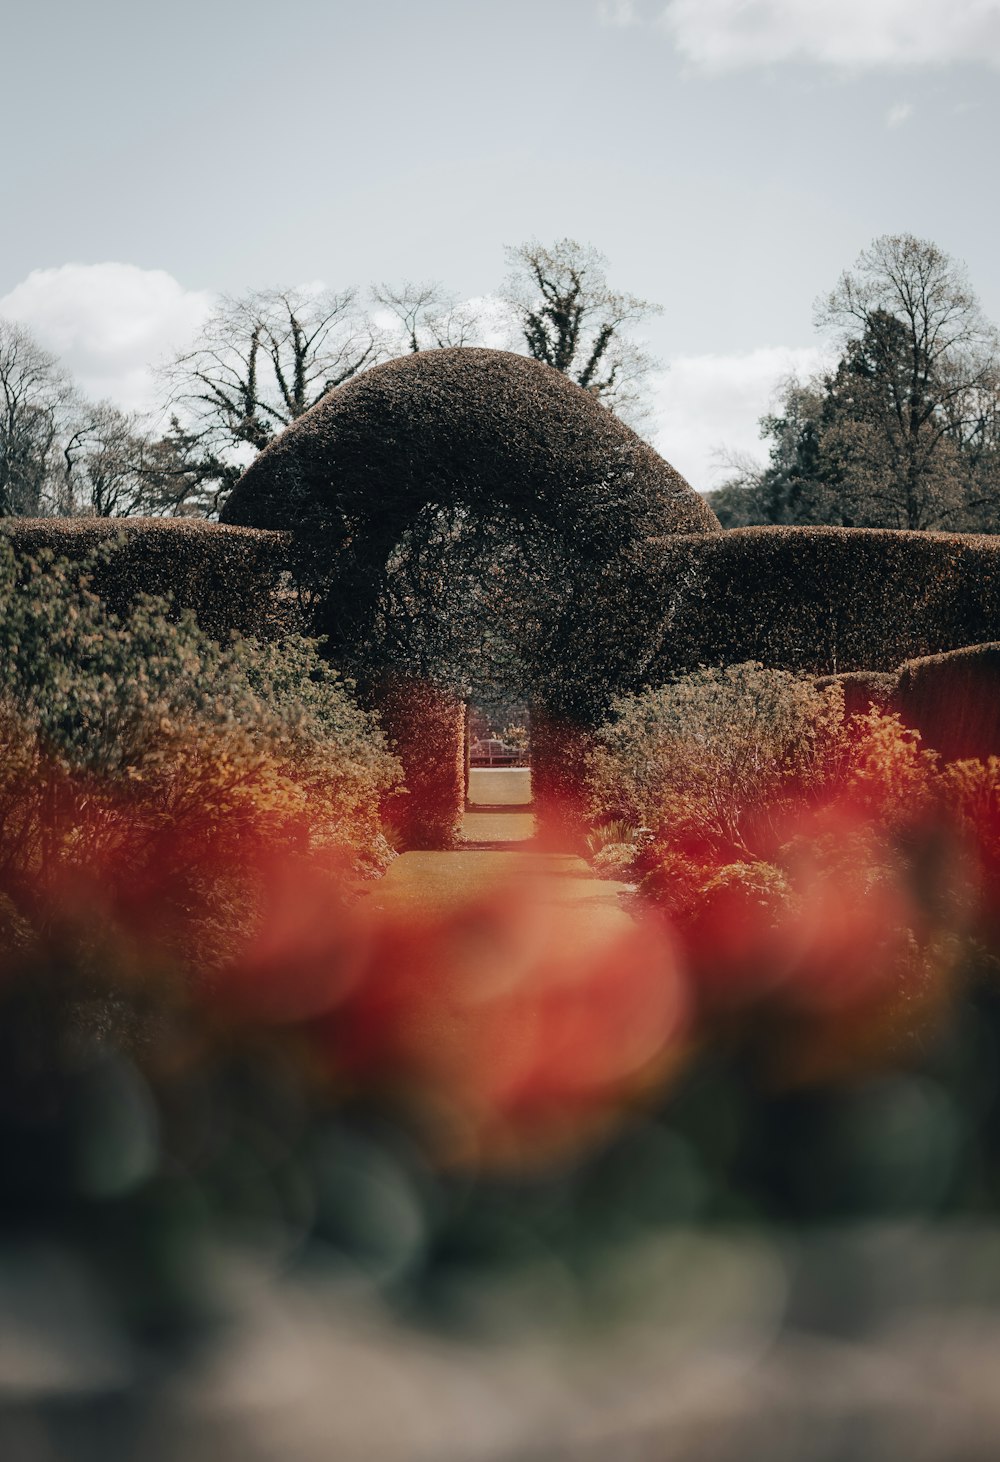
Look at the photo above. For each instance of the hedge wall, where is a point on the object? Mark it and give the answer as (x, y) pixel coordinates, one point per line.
(823, 600)
(230, 577)
(864, 689)
(855, 603)
(953, 700)
(426, 729)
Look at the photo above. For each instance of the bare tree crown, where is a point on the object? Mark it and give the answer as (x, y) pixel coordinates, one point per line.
(571, 319)
(262, 360)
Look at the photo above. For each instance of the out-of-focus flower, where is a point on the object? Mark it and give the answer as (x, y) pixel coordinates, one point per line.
(512, 1036)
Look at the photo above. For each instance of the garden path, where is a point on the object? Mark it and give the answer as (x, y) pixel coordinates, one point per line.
(496, 848)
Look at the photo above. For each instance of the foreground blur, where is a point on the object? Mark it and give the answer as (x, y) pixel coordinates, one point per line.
(288, 1173)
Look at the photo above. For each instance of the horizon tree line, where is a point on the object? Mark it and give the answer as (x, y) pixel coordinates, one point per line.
(901, 431)
(263, 359)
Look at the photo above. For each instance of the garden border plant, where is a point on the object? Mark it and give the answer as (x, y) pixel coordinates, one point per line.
(136, 737)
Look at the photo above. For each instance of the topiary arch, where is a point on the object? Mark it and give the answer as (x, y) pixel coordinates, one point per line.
(484, 427)
(455, 489)
(612, 573)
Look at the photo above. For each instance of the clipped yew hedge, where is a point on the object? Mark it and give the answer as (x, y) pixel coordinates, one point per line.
(821, 600)
(426, 729)
(864, 689)
(232, 578)
(486, 433)
(387, 457)
(953, 700)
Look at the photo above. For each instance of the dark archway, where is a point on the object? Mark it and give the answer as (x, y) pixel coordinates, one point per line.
(471, 516)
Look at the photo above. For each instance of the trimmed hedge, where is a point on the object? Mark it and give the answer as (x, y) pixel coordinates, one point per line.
(230, 577)
(441, 437)
(388, 455)
(820, 600)
(953, 700)
(426, 729)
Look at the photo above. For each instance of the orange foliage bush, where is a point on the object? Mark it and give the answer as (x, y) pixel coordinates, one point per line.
(821, 870)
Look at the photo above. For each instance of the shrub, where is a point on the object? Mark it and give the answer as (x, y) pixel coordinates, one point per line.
(808, 862)
(710, 754)
(612, 834)
(883, 770)
(140, 752)
(616, 860)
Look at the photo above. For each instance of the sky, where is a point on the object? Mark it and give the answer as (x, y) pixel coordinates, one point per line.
(729, 157)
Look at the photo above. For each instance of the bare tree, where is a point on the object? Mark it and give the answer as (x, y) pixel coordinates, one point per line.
(920, 364)
(263, 359)
(180, 479)
(34, 397)
(430, 316)
(104, 452)
(570, 318)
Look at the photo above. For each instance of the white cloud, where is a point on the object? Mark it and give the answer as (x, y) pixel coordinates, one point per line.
(109, 324)
(724, 35)
(705, 405)
(617, 12)
(897, 115)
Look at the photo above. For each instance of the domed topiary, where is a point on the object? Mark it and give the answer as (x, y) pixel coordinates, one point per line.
(483, 428)
(462, 514)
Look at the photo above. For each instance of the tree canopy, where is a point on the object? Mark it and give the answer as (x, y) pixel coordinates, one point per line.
(569, 317)
(903, 431)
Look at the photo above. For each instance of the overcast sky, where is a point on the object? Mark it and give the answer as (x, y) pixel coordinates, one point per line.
(730, 157)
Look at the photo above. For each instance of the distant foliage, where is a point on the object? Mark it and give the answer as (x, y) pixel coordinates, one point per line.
(904, 431)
